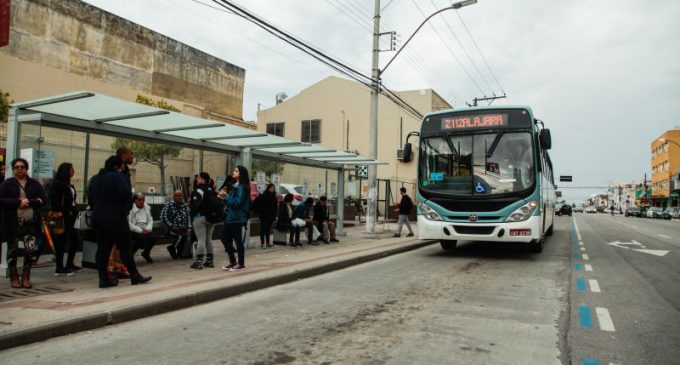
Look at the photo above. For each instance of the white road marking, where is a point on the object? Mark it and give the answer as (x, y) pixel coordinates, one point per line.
(594, 286)
(583, 248)
(578, 233)
(653, 252)
(663, 236)
(604, 319)
(588, 267)
(580, 243)
(585, 257)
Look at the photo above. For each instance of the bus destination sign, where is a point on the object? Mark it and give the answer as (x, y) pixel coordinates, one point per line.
(460, 122)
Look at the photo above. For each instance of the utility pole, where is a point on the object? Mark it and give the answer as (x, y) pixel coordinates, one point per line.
(372, 215)
(492, 98)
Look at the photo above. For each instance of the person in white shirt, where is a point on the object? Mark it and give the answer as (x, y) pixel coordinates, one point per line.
(141, 227)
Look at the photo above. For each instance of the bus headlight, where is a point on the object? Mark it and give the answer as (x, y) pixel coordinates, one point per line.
(428, 212)
(523, 213)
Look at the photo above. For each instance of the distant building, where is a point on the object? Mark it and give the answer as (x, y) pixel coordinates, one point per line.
(665, 168)
(335, 113)
(61, 46)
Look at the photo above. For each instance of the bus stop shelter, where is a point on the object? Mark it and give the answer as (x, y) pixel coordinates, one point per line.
(95, 113)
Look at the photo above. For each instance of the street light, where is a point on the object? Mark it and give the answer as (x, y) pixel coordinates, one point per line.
(375, 92)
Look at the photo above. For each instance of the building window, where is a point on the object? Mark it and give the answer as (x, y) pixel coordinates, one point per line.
(311, 131)
(275, 129)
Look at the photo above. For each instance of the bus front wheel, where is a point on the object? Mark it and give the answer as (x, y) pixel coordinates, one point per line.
(536, 246)
(448, 245)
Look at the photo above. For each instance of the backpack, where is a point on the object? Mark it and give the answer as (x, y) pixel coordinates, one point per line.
(212, 207)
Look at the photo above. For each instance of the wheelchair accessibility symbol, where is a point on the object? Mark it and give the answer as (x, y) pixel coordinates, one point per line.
(480, 188)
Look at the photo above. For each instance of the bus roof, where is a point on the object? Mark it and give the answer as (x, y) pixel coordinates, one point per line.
(477, 108)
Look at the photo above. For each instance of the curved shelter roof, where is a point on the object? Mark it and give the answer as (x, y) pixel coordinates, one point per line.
(97, 113)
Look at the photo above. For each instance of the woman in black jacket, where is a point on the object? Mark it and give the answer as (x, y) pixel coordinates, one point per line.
(62, 199)
(285, 215)
(265, 207)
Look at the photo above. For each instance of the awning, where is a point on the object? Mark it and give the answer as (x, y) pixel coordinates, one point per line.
(97, 113)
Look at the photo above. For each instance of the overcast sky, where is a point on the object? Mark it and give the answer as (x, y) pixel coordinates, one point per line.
(603, 75)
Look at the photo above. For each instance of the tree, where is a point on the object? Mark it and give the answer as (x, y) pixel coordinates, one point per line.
(4, 106)
(152, 153)
(268, 166)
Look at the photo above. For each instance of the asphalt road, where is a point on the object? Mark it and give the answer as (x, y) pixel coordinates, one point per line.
(481, 304)
(635, 265)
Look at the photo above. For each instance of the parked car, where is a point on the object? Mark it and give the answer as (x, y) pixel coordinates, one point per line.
(667, 213)
(578, 210)
(296, 190)
(654, 212)
(632, 212)
(676, 213)
(565, 209)
(590, 209)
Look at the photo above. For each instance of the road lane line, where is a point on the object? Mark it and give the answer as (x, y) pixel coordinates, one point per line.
(583, 248)
(663, 236)
(604, 319)
(594, 286)
(585, 257)
(588, 267)
(578, 233)
(581, 285)
(584, 316)
(580, 243)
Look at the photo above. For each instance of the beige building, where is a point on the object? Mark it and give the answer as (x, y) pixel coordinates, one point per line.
(335, 113)
(61, 46)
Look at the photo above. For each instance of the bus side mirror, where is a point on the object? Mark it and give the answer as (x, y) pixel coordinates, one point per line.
(544, 138)
(408, 153)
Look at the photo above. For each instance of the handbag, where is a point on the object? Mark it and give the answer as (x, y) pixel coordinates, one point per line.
(55, 224)
(315, 234)
(83, 220)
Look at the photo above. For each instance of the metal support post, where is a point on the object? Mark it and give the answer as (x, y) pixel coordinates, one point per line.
(340, 209)
(11, 152)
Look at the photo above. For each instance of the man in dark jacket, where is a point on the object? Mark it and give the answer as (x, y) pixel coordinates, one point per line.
(404, 207)
(20, 198)
(322, 221)
(176, 218)
(109, 197)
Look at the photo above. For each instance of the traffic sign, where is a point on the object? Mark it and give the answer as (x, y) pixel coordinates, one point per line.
(362, 171)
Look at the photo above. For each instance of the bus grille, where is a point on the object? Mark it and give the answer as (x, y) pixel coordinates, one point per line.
(474, 230)
(479, 218)
(460, 205)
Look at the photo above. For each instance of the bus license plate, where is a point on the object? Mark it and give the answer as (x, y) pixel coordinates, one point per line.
(520, 232)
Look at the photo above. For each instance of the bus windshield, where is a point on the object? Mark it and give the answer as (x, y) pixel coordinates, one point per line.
(498, 162)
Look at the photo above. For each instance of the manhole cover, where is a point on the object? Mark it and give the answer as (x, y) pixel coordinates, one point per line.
(11, 294)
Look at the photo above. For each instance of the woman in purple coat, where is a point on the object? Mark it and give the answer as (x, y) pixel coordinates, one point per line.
(20, 197)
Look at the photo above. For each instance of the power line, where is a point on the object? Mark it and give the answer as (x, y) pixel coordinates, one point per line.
(480, 53)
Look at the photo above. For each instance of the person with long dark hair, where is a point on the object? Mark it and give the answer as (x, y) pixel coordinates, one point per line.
(283, 222)
(238, 212)
(20, 197)
(62, 199)
(265, 207)
(202, 228)
(109, 196)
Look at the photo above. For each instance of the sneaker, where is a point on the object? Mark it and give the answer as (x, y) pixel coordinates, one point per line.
(409, 235)
(396, 235)
(270, 245)
(208, 263)
(237, 268)
(263, 246)
(334, 240)
(326, 241)
(63, 272)
(73, 268)
(197, 265)
(228, 267)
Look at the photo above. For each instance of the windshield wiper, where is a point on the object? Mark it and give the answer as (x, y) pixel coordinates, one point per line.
(494, 144)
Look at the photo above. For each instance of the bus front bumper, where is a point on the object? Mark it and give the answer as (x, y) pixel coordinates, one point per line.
(525, 231)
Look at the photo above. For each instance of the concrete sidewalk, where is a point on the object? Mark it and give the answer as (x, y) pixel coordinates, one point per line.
(57, 306)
